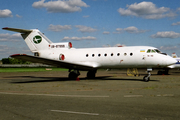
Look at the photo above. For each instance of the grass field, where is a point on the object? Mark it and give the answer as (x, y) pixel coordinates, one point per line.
(30, 69)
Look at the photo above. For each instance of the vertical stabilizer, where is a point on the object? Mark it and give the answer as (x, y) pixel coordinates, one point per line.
(35, 40)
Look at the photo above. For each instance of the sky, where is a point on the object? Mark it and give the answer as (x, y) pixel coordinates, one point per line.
(92, 23)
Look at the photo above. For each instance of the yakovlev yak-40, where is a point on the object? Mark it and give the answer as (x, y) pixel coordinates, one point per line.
(90, 59)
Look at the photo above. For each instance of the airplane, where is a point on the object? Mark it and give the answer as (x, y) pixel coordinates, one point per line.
(90, 59)
(177, 64)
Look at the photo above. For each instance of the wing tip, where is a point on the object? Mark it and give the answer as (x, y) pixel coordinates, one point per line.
(17, 55)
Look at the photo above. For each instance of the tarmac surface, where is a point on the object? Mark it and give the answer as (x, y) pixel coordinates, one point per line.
(111, 96)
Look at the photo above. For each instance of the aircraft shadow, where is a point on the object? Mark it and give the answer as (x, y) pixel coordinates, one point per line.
(34, 79)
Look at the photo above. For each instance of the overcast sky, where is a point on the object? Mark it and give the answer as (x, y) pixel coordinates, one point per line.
(92, 23)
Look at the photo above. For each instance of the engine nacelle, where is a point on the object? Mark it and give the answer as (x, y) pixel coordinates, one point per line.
(61, 45)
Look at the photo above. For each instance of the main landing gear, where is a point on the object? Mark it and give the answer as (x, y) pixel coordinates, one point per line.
(163, 72)
(91, 74)
(146, 78)
(73, 74)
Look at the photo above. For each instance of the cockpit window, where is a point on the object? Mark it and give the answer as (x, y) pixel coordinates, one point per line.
(153, 51)
(157, 51)
(149, 50)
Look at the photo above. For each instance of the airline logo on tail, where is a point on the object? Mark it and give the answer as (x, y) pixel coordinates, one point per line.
(37, 39)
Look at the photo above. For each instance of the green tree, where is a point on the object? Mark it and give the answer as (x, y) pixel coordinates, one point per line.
(14, 61)
(5, 61)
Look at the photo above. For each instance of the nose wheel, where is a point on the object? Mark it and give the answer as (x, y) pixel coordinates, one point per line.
(146, 78)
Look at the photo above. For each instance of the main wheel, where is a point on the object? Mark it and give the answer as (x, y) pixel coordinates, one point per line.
(91, 74)
(72, 76)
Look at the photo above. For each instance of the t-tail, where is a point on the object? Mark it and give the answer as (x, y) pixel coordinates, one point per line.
(35, 40)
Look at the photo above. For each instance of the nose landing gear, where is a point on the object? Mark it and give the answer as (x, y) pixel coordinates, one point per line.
(146, 78)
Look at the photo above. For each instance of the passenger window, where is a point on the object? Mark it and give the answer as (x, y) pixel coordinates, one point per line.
(118, 54)
(131, 54)
(111, 54)
(99, 55)
(87, 55)
(105, 54)
(125, 54)
(93, 55)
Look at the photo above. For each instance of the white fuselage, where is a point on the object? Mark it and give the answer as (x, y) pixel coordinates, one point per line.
(110, 57)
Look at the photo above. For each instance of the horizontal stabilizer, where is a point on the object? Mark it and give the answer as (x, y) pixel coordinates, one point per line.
(57, 63)
(18, 30)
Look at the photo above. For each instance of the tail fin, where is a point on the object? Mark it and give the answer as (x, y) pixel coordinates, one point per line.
(35, 40)
(174, 55)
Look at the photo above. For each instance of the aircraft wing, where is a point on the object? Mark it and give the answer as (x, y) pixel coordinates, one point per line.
(52, 62)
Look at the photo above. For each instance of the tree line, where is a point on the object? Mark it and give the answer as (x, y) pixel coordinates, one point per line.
(13, 61)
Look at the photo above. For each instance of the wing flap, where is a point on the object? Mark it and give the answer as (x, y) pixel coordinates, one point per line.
(57, 63)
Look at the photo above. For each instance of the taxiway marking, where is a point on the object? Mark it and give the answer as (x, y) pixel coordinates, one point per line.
(53, 95)
(133, 95)
(73, 112)
(166, 95)
(163, 95)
